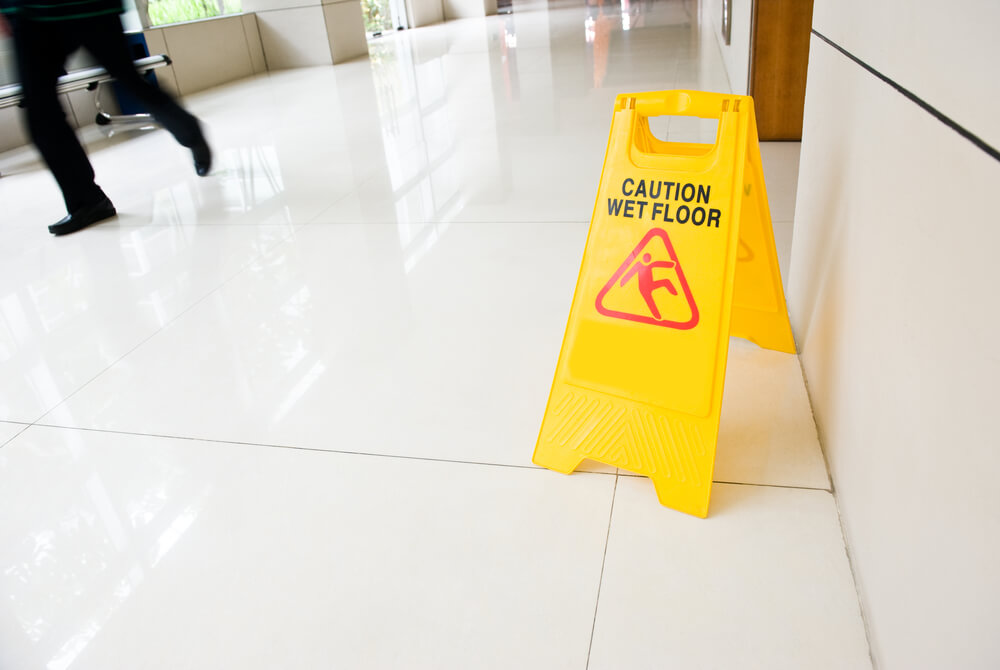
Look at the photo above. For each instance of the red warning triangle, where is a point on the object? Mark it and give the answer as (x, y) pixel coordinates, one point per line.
(653, 272)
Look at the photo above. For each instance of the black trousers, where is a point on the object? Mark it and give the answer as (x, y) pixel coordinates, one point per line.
(42, 48)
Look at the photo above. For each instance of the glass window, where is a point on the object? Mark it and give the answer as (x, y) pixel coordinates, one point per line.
(162, 12)
(377, 15)
(8, 68)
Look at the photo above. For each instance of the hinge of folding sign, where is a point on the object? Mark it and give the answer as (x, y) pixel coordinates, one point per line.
(626, 103)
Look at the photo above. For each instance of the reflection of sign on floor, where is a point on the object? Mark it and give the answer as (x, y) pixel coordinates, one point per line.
(650, 287)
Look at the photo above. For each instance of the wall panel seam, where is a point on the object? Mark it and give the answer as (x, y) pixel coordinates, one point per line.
(917, 100)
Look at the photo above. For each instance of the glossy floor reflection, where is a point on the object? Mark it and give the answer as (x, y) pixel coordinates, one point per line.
(283, 416)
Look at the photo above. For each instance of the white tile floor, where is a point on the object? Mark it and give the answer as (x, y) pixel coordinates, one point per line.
(283, 416)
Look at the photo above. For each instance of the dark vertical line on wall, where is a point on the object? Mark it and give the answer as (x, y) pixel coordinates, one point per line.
(260, 39)
(246, 43)
(72, 108)
(912, 97)
(753, 46)
(177, 80)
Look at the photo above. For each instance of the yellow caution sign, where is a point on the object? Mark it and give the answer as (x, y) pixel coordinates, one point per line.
(680, 255)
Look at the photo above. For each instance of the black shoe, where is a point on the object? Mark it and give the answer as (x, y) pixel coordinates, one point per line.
(83, 217)
(202, 154)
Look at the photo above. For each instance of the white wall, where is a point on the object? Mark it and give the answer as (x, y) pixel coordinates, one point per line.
(303, 33)
(424, 12)
(294, 37)
(467, 9)
(229, 44)
(946, 53)
(736, 55)
(345, 24)
(78, 106)
(893, 295)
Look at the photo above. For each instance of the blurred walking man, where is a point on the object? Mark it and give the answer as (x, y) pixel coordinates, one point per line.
(45, 33)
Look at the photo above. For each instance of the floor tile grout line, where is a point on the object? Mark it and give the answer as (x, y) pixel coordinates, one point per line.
(857, 588)
(312, 220)
(332, 224)
(815, 423)
(458, 222)
(866, 624)
(355, 191)
(24, 427)
(119, 225)
(600, 581)
(370, 454)
(243, 268)
(774, 486)
(343, 452)
(770, 486)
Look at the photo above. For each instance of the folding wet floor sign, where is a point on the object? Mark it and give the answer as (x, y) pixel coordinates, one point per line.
(679, 257)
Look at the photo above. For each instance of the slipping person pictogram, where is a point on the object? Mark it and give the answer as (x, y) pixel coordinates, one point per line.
(654, 252)
(643, 271)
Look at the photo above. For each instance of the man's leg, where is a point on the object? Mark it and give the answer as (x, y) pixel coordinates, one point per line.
(41, 51)
(102, 36)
